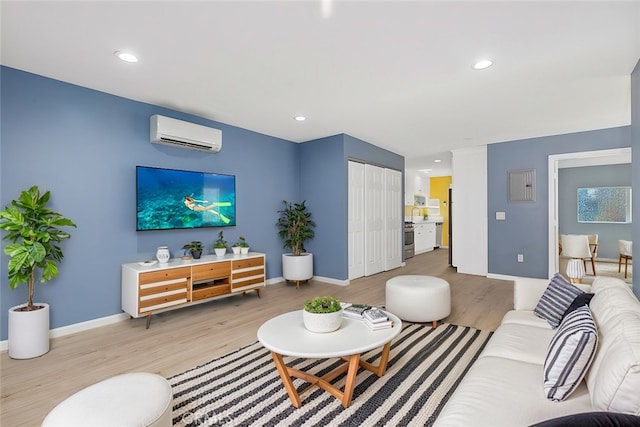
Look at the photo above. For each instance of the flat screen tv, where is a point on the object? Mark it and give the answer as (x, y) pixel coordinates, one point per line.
(169, 199)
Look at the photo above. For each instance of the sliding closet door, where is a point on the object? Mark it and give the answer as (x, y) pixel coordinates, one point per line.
(374, 224)
(393, 221)
(356, 220)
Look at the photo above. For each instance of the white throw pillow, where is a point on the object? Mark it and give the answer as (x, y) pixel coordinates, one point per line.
(570, 354)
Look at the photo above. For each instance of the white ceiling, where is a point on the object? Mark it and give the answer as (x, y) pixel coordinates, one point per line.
(396, 74)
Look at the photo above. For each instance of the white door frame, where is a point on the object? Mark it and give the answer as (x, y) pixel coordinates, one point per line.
(598, 157)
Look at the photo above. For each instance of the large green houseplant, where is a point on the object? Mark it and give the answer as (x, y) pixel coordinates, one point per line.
(295, 227)
(35, 235)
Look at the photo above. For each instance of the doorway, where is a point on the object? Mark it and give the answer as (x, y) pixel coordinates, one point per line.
(559, 161)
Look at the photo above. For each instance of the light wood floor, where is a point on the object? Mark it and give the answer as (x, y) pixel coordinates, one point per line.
(185, 338)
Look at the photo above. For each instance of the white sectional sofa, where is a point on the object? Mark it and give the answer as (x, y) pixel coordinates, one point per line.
(504, 387)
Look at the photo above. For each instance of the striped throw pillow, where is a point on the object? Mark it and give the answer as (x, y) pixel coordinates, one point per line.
(570, 354)
(556, 299)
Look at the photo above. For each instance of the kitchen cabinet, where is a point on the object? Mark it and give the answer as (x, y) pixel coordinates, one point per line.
(424, 236)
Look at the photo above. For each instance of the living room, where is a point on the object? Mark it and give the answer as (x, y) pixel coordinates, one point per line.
(84, 144)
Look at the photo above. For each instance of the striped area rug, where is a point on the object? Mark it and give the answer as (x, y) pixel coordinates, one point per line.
(243, 388)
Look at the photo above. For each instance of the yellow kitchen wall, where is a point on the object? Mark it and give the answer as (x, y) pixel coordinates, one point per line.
(440, 190)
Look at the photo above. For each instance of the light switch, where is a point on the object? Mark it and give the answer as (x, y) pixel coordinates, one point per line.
(500, 216)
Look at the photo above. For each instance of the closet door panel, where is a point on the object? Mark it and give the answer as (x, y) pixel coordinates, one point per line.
(356, 220)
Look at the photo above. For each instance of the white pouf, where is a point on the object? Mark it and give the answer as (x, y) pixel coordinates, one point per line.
(128, 400)
(418, 298)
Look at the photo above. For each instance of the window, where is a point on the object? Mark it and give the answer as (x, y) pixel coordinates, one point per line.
(604, 204)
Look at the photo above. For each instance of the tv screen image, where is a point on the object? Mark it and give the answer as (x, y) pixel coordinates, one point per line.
(169, 199)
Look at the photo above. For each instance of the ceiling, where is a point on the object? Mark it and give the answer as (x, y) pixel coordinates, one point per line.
(396, 74)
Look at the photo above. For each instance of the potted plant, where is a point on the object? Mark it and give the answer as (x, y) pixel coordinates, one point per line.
(220, 245)
(194, 248)
(322, 314)
(241, 246)
(295, 228)
(35, 236)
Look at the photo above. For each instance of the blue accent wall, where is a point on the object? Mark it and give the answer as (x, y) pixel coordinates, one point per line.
(525, 230)
(569, 180)
(84, 145)
(324, 184)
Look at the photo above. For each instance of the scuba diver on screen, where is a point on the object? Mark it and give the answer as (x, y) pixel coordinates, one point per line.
(198, 206)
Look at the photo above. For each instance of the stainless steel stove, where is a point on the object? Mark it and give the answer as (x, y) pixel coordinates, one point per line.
(409, 248)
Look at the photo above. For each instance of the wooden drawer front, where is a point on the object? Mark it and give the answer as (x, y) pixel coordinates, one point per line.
(162, 287)
(253, 282)
(210, 292)
(210, 271)
(239, 275)
(162, 300)
(162, 275)
(247, 263)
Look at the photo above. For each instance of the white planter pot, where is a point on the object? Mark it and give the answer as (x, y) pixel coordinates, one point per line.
(236, 250)
(322, 322)
(244, 251)
(28, 332)
(296, 268)
(220, 251)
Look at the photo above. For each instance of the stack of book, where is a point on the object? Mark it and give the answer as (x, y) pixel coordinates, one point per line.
(377, 319)
(355, 311)
(373, 317)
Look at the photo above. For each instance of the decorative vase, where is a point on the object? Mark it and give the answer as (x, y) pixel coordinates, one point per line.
(296, 268)
(163, 254)
(244, 251)
(322, 322)
(220, 251)
(236, 250)
(28, 332)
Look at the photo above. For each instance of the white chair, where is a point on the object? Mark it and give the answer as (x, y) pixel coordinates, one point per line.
(576, 247)
(593, 247)
(625, 247)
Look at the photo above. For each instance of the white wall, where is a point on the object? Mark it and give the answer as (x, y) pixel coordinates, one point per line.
(469, 210)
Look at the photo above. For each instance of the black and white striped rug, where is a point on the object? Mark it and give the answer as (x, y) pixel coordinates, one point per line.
(243, 388)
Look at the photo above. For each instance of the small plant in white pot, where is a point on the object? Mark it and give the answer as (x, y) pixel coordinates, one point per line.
(240, 247)
(322, 314)
(220, 245)
(295, 228)
(35, 237)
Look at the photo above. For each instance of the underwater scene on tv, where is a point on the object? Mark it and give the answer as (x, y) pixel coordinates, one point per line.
(169, 199)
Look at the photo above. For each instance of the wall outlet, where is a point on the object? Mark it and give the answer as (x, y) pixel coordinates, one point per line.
(520, 258)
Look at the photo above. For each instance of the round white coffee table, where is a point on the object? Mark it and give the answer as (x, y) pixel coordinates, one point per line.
(285, 335)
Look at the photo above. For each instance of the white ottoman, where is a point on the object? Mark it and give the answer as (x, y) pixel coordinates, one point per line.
(128, 400)
(418, 298)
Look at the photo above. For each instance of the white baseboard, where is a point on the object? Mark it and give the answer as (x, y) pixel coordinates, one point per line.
(78, 327)
(318, 278)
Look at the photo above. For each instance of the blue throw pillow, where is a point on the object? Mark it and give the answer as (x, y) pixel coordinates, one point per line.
(555, 301)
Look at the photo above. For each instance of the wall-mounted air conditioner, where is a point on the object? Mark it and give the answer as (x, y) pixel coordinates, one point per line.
(178, 133)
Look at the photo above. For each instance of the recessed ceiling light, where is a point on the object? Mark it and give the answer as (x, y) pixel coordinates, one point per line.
(300, 118)
(126, 56)
(481, 65)
(425, 170)
(437, 161)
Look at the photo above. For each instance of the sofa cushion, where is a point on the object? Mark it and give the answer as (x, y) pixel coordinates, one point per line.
(614, 377)
(520, 342)
(525, 317)
(570, 354)
(498, 392)
(556, 299)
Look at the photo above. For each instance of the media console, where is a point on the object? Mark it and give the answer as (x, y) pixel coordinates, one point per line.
(178, 283)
